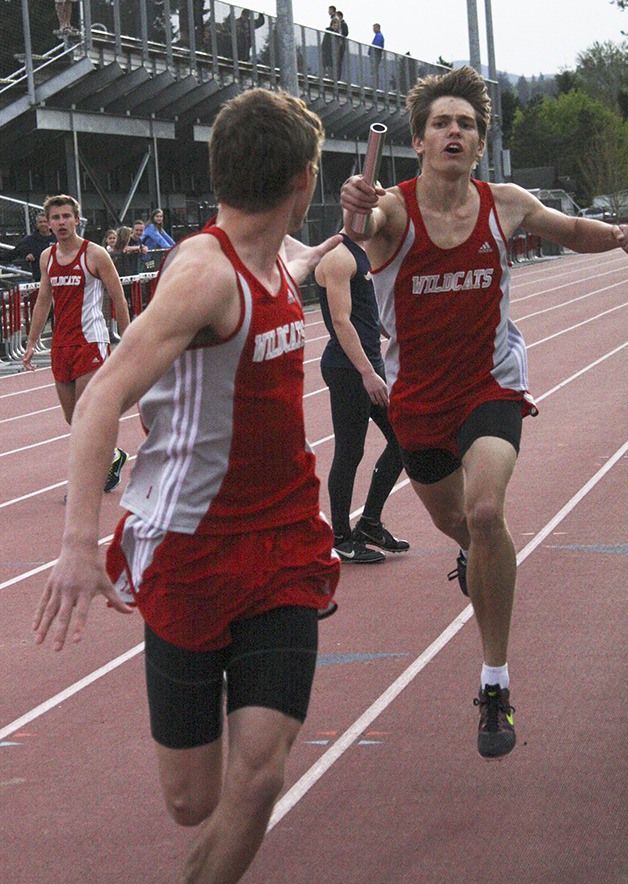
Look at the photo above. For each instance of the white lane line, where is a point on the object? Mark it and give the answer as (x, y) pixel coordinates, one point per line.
(578, 325)
(17, 417)
(567, 303)
(579, 373)
(26, 390)
(569, 285)
(68, 692)
(348, 738)
(54, 439)
(305, 783)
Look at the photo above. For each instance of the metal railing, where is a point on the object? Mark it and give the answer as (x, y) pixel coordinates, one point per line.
(213, 39)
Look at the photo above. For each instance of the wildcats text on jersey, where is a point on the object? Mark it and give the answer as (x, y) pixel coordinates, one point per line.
(65, 280)
(461, 280)
(277, 341)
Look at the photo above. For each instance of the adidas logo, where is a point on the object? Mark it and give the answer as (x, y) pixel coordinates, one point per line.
(485, 248)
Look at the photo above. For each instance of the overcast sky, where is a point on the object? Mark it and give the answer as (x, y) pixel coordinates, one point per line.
(531, 36)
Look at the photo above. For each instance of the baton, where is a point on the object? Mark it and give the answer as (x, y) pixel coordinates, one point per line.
(372, 160)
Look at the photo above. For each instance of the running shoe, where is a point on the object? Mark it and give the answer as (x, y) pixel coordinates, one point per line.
(375, 534)
(353, 553)
(496, 732)
(460, 572)
(113, 479)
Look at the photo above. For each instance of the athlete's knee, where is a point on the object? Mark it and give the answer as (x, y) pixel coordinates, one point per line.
(188, 808)
(260, 785)
(449, 522)
(485, 518)
(258, 775)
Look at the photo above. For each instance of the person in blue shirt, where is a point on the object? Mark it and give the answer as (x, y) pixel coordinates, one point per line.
(155, 237)
(375, 51)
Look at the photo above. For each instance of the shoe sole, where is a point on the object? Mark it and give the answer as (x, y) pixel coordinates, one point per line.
(496, 751)
(368, 541)
(350, 561)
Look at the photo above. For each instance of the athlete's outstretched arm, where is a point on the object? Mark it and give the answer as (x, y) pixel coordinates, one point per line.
(301, 259)
(518, 208)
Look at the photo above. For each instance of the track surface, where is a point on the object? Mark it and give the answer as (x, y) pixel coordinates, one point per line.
(384, 785)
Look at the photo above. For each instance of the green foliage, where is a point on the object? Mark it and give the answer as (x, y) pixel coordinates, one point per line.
(602, 72)
(510, 105)
(564, 132)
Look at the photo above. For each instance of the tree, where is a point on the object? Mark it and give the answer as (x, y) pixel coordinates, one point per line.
(602, 72)
(565, 81)
(562, 132)
(604, 169)
(510, 105)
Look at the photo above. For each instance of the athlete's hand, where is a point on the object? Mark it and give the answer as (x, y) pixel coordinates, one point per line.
(75, 579)
(301, 260)
(620, 232)
(27, 359)
(377, 389)
(358, 197)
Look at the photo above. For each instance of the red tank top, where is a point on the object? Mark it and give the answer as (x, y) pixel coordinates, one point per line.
(453, 345)
(77, 297)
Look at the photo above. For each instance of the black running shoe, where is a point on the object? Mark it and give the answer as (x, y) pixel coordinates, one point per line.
(375, 534)
(496, 732)
(460, 572)
(113, 479)
(353, 553)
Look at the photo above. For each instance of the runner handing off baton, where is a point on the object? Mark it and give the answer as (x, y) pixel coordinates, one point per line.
(456, 364)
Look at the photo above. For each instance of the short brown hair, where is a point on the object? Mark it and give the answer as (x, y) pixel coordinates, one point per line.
(463, 82)
(62, 199)
(259, 142)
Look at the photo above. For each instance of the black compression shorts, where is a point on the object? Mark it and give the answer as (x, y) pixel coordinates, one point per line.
(270, 663)
(501, 418)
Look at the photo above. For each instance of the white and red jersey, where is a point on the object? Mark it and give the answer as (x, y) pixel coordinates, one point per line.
(447, 311)
(226, 450)
(77, 297)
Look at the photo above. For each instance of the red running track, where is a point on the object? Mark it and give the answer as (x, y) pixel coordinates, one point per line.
(384, 785)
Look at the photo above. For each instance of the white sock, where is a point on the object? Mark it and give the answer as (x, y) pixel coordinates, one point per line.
(495, 675)
(465, 553)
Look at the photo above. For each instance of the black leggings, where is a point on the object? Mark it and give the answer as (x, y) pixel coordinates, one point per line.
(351, 408)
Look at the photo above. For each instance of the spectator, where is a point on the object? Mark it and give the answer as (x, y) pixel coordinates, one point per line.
(155, 237)
(332, 13)
(329, 47)
(243, 33)
(109, 240)
(375, 51)
(136, 246)
(64, 15)
(344, 32)
(31, 247)
(123, 234)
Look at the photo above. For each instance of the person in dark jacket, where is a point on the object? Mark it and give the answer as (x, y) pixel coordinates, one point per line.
(29, 250)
